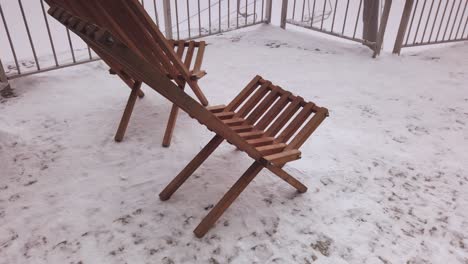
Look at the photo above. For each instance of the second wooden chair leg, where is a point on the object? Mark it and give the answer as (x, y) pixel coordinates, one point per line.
(190, 168)
(170, 126)
(227, 199)
(288, 178)
(128, 112)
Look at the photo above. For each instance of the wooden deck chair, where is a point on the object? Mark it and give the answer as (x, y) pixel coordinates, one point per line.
(265, 121)
(182, 66)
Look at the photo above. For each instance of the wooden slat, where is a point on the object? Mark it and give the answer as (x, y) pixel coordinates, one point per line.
(273, 112)
(284, 117)
(233, 121)
(200, 54)
(272, 149)
(215, 108)
(224, 115)
(262, 107)
(189, 56)
(251, 134)
(253, 100)
(240, 98)
(296, 123)
(258, 142)
(284, 157)
(308, 129)
(242, 128)
(180, 50)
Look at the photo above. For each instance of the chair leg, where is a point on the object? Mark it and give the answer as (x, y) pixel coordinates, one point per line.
(170, 126)
(287, 178)
(141, 94)
(128, 112)
(227, 199)
(190, 168)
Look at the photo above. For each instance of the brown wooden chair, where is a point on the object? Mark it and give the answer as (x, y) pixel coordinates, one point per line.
(186, 60)
(265, 121)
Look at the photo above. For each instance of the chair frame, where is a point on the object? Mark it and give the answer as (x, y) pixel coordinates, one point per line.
(269, 135)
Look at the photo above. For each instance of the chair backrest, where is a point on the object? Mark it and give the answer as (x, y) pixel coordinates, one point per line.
(130, 23)
(135, 62)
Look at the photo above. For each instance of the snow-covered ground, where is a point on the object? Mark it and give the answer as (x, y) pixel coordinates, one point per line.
(387, 172)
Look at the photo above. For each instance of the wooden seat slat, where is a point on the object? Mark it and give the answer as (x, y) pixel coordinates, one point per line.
(253, 100)
(296, 123)
(272, 149)
(284, 157)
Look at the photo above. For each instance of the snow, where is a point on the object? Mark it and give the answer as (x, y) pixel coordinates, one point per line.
(386, 172)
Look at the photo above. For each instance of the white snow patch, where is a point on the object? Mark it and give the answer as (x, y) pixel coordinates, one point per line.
(386, 172)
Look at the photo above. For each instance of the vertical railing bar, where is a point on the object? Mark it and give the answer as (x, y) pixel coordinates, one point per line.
(89, 53)
(255, 11)
(168, 19)
(49, 34)
(313, 15)
(427, 21)
(412, 21)
(237, 13)
(12, 47)
(455, 19)
(209, 16)
(156, 13)
(303, 10)
(435, 21)
(229, 13)
(419, 22)
(382, 27)
(246, 12)
(464, 28)
(357, 19)
(461, 20)
(294, 10)
(442, 20)
(219, 16)
(3, 78)
(199, 19)
(268, 11)
(70, 43)
(284, 13)
(345, 18)
(448, 19)
(143, 3)
(29, 35)
(177, 19)
(263, 9)
(334, 15)
(323, 14)
(188, 20)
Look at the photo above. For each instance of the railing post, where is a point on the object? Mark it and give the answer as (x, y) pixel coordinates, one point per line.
(370, 17)
(268, 11)
(3, 79)
(403, 26)
(284, 13)
(382, 27)
(167, 18)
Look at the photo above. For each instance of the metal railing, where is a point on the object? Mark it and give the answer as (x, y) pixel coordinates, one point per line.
(362, 21)
(427, 22)
(188, 19)
(32, 43)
